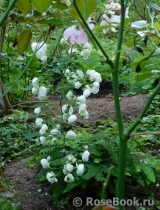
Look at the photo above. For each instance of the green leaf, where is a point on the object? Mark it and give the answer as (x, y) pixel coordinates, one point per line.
(41, 5)
(24, 6)
(130, 43)
(148, 171)
(23, 40)
(142, 77)
(90, 7)
(60, 5)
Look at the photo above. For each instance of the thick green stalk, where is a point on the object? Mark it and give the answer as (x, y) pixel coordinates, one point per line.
(138, 120)
(123, 142)
(11, 5)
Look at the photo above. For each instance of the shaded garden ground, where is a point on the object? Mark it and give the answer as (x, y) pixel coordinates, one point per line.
(31, 195)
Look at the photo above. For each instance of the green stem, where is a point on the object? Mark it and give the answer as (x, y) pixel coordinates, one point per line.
(11, 5)
(123, 142)
(138, 120)
(103, 195)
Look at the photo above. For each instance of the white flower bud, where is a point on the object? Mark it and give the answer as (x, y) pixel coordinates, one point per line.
(80, 169)
(70, 135)
(37, 110)
(45, 163)
(81, 99)
(42, 140)
(85, 54)
(51, 177)
(38, 122)
(72, 118)
(35, 82)
(77, 85)
(35, 90)
(42, 93)
(69, 178)
(68, 168)
(85, 156)
(86, 93)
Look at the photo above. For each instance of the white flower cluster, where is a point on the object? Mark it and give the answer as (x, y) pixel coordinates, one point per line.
(41, 50)
(41, 91)
(69, 167)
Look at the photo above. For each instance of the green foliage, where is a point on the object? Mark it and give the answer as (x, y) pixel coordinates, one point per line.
(7, 205)
(14, 132)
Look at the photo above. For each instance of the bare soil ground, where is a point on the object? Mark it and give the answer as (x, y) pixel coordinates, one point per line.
(32, 195)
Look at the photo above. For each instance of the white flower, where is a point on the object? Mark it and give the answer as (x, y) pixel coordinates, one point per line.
(37, 110)
(69, 178)
(95, 88)
(88, 46)
(45, 162)
(85, 156)
(81, 99)
(51, 177)
(70, 135)
(42, 93)
(69, 95)
(38, 122)
(71, 158)
(42, 131)
(35, 90)
(77, 85)
(85, 53)
(54, 131)
(80, 169)
(68, 168)
(72, 118)
(85, 115)
(86, 93)
(43, 58)
(80, 74)
(82, 108)
(94, 76)
(40, 49)
(42, 140)
(67, 109)
(157, 185)
(44, 126)
(35, 82)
